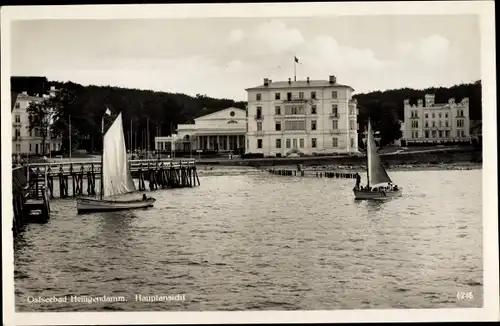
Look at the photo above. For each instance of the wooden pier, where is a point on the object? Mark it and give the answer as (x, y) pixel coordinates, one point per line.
(79, 178)
(34, 185)
(30, 203)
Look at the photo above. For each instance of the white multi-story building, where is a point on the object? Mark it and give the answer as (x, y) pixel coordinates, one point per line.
(25, 141)
(306, 117)
(436, 123)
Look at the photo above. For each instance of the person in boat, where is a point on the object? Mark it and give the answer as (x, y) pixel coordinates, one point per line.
(144, 197)
(358, 181)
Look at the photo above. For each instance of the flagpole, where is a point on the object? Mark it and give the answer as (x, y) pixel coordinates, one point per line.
(102, 157)
(70, 137)
(294, 68)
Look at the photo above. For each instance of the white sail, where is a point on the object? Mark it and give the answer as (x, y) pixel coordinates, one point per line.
(116, 175)
(376, 171)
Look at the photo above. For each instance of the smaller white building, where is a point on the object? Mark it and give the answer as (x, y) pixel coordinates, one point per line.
(431, 122)
(25, 141)
(220, 131)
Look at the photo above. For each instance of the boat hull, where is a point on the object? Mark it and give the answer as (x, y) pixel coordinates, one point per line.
(88, 205)
(377, 195)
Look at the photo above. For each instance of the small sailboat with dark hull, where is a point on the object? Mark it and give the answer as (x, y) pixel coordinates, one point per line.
(116, 178)
(379, 184)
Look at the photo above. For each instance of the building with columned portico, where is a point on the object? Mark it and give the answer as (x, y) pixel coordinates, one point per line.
(221, 131)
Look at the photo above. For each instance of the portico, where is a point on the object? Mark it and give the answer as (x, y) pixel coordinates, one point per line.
(219, 131)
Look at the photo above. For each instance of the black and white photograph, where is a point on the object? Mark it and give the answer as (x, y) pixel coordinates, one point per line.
(223, 163)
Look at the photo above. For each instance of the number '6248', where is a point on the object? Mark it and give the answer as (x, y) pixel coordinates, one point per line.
(465, 295)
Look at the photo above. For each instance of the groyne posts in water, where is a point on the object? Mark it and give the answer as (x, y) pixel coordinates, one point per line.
(160, 174)
(317, 174)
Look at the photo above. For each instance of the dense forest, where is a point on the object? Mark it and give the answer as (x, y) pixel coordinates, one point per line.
(163, 111)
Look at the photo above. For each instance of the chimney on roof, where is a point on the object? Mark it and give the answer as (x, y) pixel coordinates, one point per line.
(289, 81)
(266, 81)
(333, 79)
(308, 80)
(270, 81)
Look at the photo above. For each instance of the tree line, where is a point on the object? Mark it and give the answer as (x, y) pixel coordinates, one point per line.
(160, 112)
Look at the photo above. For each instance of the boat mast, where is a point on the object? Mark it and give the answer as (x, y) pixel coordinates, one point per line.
(102, 156)
(368, 149)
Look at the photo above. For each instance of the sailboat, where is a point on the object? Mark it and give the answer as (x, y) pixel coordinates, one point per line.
(379, 184)
(116, 178)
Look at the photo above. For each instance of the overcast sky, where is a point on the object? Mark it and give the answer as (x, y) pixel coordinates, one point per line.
(221, 57)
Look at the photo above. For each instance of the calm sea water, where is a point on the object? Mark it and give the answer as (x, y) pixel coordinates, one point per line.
(254, 241)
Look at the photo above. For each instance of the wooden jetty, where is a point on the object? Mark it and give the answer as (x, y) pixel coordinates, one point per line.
(30, 203)
(33, 184)
(82, 176)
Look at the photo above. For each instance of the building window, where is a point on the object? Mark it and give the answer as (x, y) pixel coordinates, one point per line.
(18, 118)
(259, 126)
(313, 142)
(289, 96)
(277, 110)
(288, 143)
(278, 126)
(439, 114)
(18, 105)
(426, 115)
(294, 110)
(259, 143)
(301, 95)
(313, 95)
(458, 133)
(18, 148)
(259, 112)
(259, 96)
(433, 115)
(426, 124)
(301, 142)
(335, 124)
(433, 123)
(460, 123)
(446, 123)
(277, 96)
(434, 134)
(440, 134)
(414, 124)
(446, 115)
(334, 94)
(440, 123)
(426, 134)
(352, 142)
(335, 141)
(30, 148)
(278, 143)
(416, 134)
(313, 109)
(295, 125)
(447, 133)
(18, 132)
(352, 124)
(313, 125)
(335, 110)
